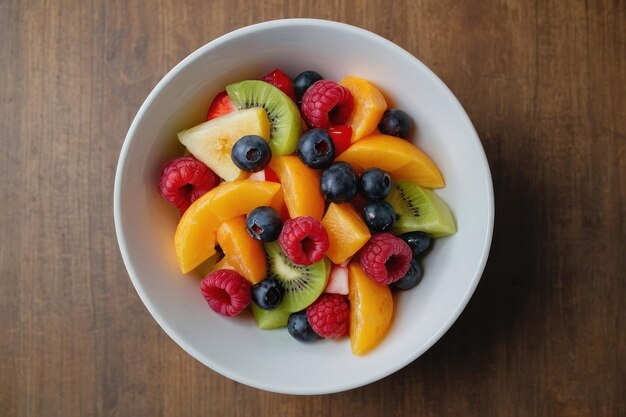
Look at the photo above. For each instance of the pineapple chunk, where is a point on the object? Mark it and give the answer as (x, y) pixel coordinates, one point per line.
(211, 142)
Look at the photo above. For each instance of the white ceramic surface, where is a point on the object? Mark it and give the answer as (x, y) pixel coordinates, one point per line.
(234, 347)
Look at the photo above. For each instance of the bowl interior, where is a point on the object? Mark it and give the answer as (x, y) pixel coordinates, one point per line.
(145, 224)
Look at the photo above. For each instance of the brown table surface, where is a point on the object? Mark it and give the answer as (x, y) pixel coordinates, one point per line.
(545, 333)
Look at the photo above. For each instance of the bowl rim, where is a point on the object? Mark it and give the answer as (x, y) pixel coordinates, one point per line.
(201, 357)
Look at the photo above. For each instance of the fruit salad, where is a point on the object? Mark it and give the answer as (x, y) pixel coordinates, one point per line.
(305, 201)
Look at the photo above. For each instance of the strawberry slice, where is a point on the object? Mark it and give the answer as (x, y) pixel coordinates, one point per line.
(341, 136)
(220, 106)
(279, 79)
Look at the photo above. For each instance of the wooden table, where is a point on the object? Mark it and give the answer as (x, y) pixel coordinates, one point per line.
(545, 333)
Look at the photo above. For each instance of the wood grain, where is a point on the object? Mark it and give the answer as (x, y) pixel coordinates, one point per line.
(545, 333)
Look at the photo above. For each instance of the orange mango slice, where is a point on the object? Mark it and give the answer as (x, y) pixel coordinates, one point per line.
(301, 186)
(194, 240)
(371, 310)
(400, 158)
(347, 232)
(369, 106)
(244, 253)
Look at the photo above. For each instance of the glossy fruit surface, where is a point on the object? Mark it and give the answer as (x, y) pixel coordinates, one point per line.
(369, 106)
(194, 240)
(371, 310)
(268, 293)
(379, 216)
(264, 224)
(316, 149)
(338, 182)
(347, 232)
(419, 242)
(299, 328)
(411, 279)
(212, 142)
(245, 254)
(269, 319)
(300, 185)
(220, 106)
(251, 153)
(303, 81)
(395, 122)
(280, 80)
(342, 138)
(398, 157)
(375, 184)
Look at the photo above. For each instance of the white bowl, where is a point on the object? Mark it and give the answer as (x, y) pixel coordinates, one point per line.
(234, 347)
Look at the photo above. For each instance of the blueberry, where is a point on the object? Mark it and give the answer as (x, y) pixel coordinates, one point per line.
(264, 224)
(268, 293)
(316, 149)
(298, 326)
(379, 216)
(338, 182)
(375, 184)
(395, 122)
(251, 153)
(303, 81)
(418, 241)
(412, 277)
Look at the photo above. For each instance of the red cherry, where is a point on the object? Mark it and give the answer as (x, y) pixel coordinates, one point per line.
(280, 80)
(220, 106)
(270, 175)
(342, 137)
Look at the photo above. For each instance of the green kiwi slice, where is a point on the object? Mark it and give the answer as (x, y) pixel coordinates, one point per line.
(419, 209)
(302, 284)
(285, 122)
(269, 319)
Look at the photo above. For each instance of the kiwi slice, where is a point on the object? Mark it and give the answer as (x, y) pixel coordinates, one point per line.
(269, 319)
(285, 122)
(302, 284)
(419, 209)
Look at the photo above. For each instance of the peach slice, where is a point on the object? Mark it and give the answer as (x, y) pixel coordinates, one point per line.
(194, 240)
(347, 232)
(369, 106)
(245, 254)
(300, 186)
(400, 158)
(371, 310)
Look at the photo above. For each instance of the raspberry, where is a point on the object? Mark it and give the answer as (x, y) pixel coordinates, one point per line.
(304, 240)
(226, 291)
(386, 258)
(184, 180)
(329, 315)
(327, 102)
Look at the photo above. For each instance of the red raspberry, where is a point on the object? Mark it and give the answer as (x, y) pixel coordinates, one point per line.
(329, 315)
(386, 258)
(304, 240)
(184, 180)
(327, 102)
(226, 291)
